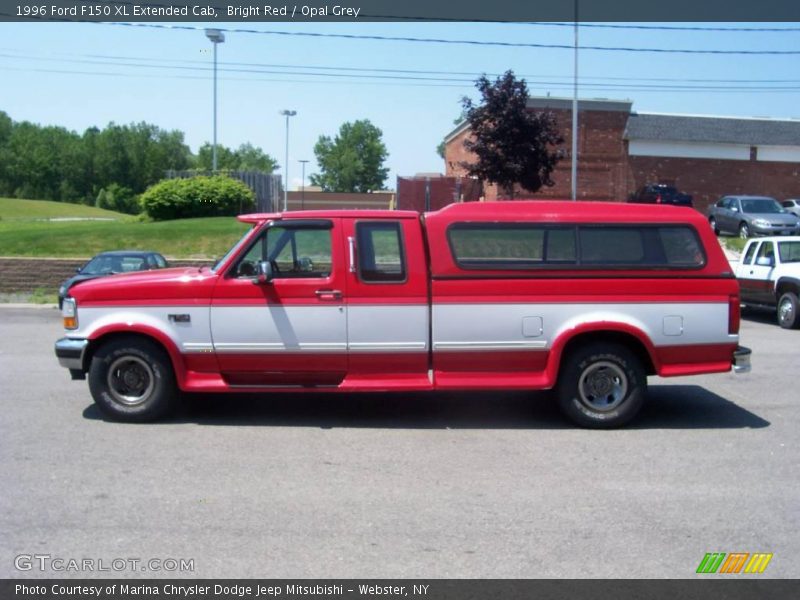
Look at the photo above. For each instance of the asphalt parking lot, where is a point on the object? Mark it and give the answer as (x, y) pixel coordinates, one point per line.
(456, 485)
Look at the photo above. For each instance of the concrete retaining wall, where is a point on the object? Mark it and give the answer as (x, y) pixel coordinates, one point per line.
(29, 274)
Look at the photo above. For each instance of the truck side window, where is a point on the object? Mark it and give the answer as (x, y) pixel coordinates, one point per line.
(611, 245)
(510, 245)
(766, 251)
(293, 252)
(380, 252)
(748, 258)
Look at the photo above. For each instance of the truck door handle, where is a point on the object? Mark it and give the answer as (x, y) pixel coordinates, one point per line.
(329, 294)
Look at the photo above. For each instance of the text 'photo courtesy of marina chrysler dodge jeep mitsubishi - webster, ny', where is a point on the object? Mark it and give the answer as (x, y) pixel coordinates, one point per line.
(586, 298)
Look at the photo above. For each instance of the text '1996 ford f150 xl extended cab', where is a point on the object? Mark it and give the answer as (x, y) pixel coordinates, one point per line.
(588, 298)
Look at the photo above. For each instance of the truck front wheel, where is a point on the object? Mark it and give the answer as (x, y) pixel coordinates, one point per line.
(787, 311)
(601, 386)
(131, 379)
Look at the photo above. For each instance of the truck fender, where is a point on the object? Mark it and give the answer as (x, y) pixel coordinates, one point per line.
(786, 284)
(157, 335)
(619, 331)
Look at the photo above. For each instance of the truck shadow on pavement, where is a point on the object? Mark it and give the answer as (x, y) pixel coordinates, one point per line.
(667, 407)
(760, 315)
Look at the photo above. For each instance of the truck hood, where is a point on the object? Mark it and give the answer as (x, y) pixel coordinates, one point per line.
(190, 284)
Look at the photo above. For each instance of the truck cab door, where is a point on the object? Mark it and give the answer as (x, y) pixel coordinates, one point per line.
(289, 329)
(755, 282)
(387, 303)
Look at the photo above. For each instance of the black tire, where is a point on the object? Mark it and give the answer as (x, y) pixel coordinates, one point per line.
(713, 222)
(601, 385)
(787, 311)
(131, 379)
(744, 230)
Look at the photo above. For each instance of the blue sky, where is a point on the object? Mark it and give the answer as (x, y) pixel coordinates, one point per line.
(79, 74)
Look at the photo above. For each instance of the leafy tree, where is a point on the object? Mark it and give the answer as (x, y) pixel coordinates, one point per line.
(118, 198)
(353, 161)
(245, 158)
(254, 159)
(513, 146)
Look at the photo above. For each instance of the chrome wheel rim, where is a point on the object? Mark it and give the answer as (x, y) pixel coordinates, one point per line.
(603, 386)
(744, 232)
(130, 380)
(786, 311)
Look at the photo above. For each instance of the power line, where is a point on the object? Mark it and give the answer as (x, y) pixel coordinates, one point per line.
(347, 80)
(473, 74)
(669, 27)
(350, 36)
(453, 41)
(348, 74)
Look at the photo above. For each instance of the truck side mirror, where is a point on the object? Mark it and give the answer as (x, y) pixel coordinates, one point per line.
(264, 274)
(765, 261)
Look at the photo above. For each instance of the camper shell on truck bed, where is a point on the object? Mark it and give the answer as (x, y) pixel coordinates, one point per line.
(586, 297)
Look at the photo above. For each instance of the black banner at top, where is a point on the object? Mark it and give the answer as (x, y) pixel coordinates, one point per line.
(242, 11)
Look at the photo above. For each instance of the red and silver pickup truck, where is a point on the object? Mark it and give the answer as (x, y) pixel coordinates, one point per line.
(588, 298)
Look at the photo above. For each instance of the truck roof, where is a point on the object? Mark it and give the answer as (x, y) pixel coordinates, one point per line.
(511, 210)
(565, 211)
(328, 214)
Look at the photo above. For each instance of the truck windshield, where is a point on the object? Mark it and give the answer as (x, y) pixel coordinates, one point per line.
(789, 251)
(232, 251)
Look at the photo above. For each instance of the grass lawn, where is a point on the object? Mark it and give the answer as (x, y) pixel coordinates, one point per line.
(25, 231)
(734, 243)
(14, 209)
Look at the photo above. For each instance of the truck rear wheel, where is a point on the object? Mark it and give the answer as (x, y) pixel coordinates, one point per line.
(601, 386)
(787, 311)
(131, 379)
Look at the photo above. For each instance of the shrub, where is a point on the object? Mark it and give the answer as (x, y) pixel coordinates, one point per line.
(119, 198)
(197, 197)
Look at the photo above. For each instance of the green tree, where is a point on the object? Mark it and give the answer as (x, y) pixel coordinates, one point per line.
(245, 158)
(513, 146)
(353, 160)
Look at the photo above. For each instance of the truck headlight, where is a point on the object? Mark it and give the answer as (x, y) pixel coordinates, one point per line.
(69, 312)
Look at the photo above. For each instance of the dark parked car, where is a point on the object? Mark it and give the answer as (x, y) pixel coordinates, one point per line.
(111, 263)
(752, 215)
(659, 193)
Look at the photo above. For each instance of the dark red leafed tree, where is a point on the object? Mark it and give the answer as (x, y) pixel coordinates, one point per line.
(513, 146)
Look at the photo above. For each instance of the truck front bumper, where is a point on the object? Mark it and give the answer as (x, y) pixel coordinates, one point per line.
(70, 353)
(741, 360)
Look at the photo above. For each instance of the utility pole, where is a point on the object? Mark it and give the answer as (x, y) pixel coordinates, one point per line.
(287, 114)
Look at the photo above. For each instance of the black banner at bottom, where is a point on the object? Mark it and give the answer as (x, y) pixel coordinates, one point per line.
(419, 589)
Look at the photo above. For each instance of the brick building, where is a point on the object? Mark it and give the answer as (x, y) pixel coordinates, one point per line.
(620, 150)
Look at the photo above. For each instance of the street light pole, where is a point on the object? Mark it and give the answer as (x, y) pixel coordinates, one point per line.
(287, 114)
(575, 114)
(216, 37)
(303, 185)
